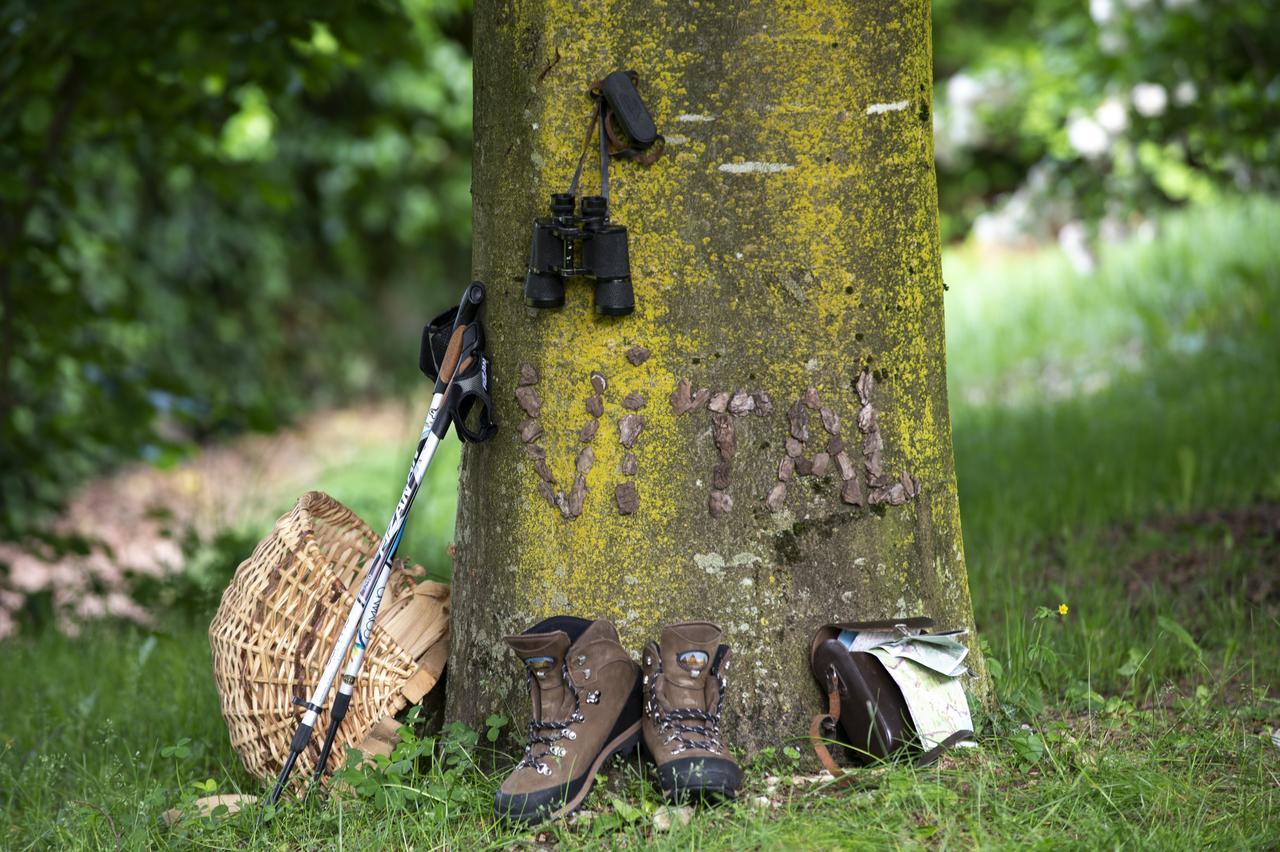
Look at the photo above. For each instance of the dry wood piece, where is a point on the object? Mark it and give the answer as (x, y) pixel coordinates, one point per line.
(866, 387)
(719, 504)
(635, 401)
(529, 400)
(586, 458)
(629, 464)
(595, 405)
(764, 405)
(820, 464)
(535, 451)
(588, 430)
(628, 498)
(725, 436)
(682, 397)
(786, 469)
(544, 488)
(867, 420)
(851, 493)
(629, 429)
(894, 495)
(719, 402)
(794, 448)
(637, 355)
(830, 421)
(528, 374)
(910, 484)
(529, 430)
(798, 418)
(598, 382)
(741, 403)
(777, 497)
(720, 475)
(544, 472)
(811, 398)
(845, 466)
(577, 495)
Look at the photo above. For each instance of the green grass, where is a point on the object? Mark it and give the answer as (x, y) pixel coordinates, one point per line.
(1118, 449)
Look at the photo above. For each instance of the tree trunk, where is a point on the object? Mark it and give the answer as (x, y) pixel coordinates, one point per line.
(786, 264)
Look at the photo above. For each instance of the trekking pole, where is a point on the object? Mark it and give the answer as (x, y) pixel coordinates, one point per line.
(459, 356)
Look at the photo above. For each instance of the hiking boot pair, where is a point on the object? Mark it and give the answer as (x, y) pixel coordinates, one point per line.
(591, 701)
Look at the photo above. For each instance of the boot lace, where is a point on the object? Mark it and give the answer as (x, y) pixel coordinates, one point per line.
(545, 734)
(688, 727)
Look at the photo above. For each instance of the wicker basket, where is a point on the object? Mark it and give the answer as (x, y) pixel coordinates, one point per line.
(277, 625)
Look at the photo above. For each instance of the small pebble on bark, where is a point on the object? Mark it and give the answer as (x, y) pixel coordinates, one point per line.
(851, 493)
(528, 374)
(635, 401)
(804, 466)
(719, 402)
(599, 382)
(810, 398)
(629, 464)
(577, 495)
(719, 504)
(682, 397)
(777, 497)
(595, 405)
(866, 387)
(764, 405)
(786, 469)
(544, 472)
(798, 417)
(588, 430)
(544, 489)
(637, 355)
(794, 448)
(535, 451)
(585, 459)
(835, 445)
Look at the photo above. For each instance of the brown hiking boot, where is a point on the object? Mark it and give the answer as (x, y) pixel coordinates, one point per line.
(684, 690)
(586, 707)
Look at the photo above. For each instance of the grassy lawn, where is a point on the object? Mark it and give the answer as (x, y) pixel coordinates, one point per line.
(1118, 446)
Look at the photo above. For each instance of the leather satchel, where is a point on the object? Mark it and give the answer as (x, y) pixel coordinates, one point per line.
(868, 717)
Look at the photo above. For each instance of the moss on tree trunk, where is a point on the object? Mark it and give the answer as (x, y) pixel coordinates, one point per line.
(787, 240)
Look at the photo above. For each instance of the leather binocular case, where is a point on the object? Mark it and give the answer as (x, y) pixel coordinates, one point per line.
(881, 702)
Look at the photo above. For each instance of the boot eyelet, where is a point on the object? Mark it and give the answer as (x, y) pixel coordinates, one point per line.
(558, 751)
(593, 697)
(586, 674)
(543, 769)
(570, 735)
(581, 659)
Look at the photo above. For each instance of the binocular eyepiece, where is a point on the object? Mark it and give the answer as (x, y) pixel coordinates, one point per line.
(579, 243)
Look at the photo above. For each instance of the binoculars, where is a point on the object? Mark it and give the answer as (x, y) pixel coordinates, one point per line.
(579, 243)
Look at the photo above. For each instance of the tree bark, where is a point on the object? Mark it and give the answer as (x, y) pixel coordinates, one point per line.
(785, 255)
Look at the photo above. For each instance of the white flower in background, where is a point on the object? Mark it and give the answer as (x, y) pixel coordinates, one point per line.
(1113, 115)
(1088, 137)
(1102, 11)
(1112, 42)
(1073, 239)
(1149, 99)
(1184, 93)
(1180, 5)
(1136, 5)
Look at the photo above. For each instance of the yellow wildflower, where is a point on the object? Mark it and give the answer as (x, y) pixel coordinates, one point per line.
(1063, 609)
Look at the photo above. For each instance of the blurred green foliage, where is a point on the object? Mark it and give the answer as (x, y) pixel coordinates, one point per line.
(213, 215)
(1097, 110)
